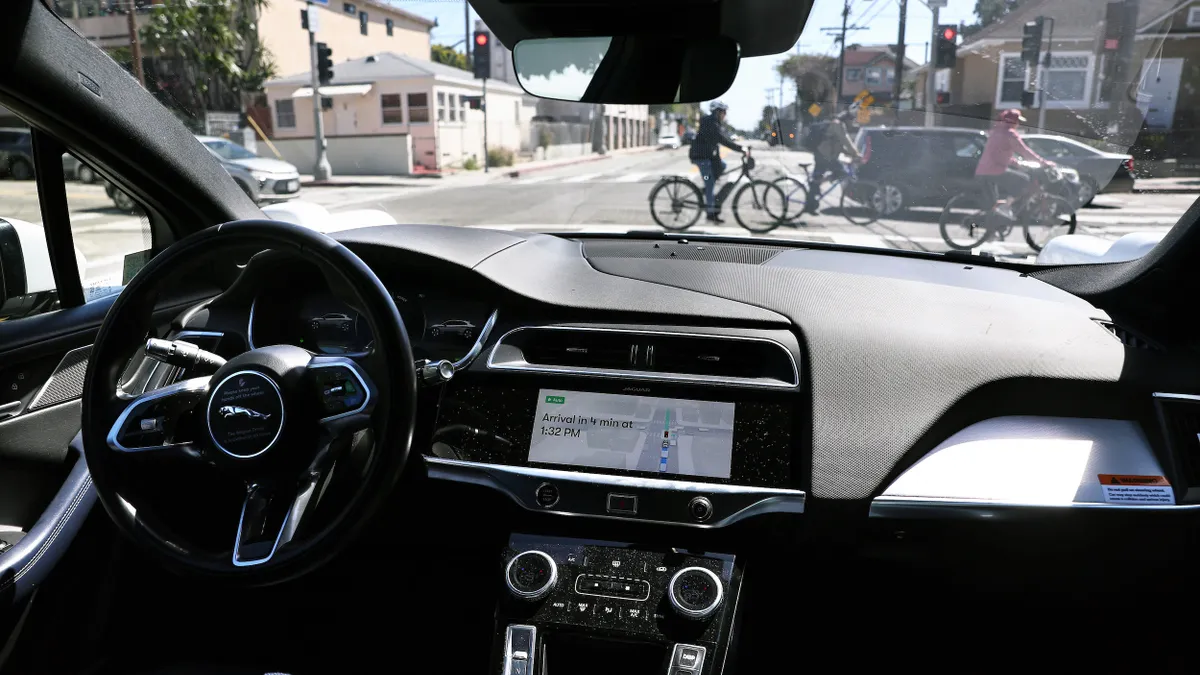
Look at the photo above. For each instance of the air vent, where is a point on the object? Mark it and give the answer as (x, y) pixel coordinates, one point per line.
(646, 354)
(1129, 338)
(1179, 415)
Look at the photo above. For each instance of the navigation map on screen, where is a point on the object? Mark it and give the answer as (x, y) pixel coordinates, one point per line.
(634, 433)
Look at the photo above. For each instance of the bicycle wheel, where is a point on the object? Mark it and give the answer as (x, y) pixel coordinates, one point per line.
(1057, 218)
(964, 222)
(760, 206)
(680, 205)
(795, 194)
(861, 201)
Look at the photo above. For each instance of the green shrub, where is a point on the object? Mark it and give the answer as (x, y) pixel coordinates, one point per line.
(471, 164)
(500, 157)
(545, 138)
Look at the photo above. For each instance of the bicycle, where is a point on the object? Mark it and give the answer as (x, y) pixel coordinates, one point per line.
(861, 201)
(1042, 215)
(685, 201)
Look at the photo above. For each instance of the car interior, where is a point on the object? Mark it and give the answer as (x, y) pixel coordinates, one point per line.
(367, 444)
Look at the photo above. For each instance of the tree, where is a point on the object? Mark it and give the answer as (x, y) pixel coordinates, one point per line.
(814, 75)
(768, 118)
(207, 56)
(447, 55)
(989, 12)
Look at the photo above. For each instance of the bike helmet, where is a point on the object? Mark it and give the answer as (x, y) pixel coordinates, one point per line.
(717, 105)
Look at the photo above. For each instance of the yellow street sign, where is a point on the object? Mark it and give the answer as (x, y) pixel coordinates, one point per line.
(864, 115)
(814, 110)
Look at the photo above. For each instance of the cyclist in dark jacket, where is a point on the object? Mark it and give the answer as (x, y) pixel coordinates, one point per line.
(705, 153)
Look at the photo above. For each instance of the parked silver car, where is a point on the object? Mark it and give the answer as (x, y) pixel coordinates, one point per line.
(263, 178)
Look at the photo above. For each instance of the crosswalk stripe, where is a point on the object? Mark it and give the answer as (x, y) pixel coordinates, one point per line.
(582, 177)
(630, 178)
(535, 179)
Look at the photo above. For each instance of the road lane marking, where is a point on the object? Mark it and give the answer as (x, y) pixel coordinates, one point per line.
(630, 178)
(582, 177)
(534, 179)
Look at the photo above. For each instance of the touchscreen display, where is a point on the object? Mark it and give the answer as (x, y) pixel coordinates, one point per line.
(634, 433)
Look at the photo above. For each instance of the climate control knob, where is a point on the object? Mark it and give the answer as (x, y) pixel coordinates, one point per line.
(531, 575)
(695, 592)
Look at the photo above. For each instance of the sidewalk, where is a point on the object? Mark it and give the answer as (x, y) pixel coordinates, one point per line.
(461, 177)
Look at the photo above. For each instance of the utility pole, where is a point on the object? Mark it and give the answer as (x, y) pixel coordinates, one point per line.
(898, 85)
(1043, 69)
(1122, 105)
(467, 30)
(135, 45)
(841, 40)
(321, 168)
(930, 71)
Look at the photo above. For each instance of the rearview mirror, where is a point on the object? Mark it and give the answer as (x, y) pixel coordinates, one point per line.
(630, 69)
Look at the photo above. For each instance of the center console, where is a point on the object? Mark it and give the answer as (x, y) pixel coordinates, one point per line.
(575, 607)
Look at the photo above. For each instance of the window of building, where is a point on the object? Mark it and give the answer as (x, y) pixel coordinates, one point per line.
(1012, 79)
(874, 75)
(391, 25)
(350, 8)
(285, 113)
(441, 106)
(454, 103)
(418, 108)
(392, 112)
(1193, 18)
(362, 22)
(853, 74)
(1068, 79)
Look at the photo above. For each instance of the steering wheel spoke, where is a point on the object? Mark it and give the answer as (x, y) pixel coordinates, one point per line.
(345, 394)
(159, 422)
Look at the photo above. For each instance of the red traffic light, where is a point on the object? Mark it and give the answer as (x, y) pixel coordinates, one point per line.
(481, 39)
(949, 33)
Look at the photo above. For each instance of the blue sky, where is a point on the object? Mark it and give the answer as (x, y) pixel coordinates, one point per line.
(748, 94)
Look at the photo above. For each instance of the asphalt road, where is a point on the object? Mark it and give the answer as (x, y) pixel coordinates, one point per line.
(611, 195)
(604, 195)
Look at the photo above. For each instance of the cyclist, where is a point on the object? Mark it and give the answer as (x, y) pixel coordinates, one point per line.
(706, 154)
(998, 166)
(832, 140)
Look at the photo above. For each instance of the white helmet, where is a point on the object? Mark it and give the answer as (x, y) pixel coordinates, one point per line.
(717, 105)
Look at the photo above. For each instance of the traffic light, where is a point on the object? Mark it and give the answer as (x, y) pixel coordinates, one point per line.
(304, 19)
(1031, 41)
(324, 63)
(947, 47)
(473, 102)
(483, 55)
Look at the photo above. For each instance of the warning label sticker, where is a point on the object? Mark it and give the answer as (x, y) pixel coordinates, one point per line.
(1136, 489)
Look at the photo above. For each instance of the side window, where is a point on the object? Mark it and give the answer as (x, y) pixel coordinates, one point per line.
(967, 147)
(110, 235)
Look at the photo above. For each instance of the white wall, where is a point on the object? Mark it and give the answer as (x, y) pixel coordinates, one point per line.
(378, 155)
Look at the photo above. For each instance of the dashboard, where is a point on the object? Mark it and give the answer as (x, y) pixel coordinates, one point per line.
(766, 376)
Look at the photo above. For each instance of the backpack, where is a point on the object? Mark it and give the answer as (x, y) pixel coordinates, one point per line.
(814, 135)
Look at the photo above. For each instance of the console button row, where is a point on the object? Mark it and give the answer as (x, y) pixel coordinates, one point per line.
(612, 587)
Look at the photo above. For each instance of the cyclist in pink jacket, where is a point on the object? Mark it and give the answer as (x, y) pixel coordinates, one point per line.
(998, 165)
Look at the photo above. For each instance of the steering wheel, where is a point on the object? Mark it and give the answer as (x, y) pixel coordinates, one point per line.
(275, 420)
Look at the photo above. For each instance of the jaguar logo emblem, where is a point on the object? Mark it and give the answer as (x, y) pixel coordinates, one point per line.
(227, 411)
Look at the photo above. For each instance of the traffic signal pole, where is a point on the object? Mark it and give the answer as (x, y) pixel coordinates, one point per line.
(485, 107)
(321, 168)
(1043, 69)
(930, 69)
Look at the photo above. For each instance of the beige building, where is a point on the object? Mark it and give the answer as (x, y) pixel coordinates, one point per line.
(351, 29)
(391, 100)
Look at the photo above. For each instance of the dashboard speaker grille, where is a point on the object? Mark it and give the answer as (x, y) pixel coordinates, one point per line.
(746, 254)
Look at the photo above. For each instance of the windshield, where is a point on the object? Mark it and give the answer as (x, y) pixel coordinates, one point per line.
(966, 127)
(228, 150)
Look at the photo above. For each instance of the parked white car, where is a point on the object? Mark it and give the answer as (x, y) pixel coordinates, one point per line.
(669, 141)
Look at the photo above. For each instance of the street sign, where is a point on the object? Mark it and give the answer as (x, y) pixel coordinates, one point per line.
(313, 20)
(814, 110)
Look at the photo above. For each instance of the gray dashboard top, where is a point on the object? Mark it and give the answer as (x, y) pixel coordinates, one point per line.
(891, 343)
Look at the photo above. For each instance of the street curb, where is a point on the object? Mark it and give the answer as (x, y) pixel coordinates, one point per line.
(516, 173)
(360, 183)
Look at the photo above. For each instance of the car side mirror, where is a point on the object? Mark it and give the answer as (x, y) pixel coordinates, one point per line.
(630, 69)
(26, 277)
